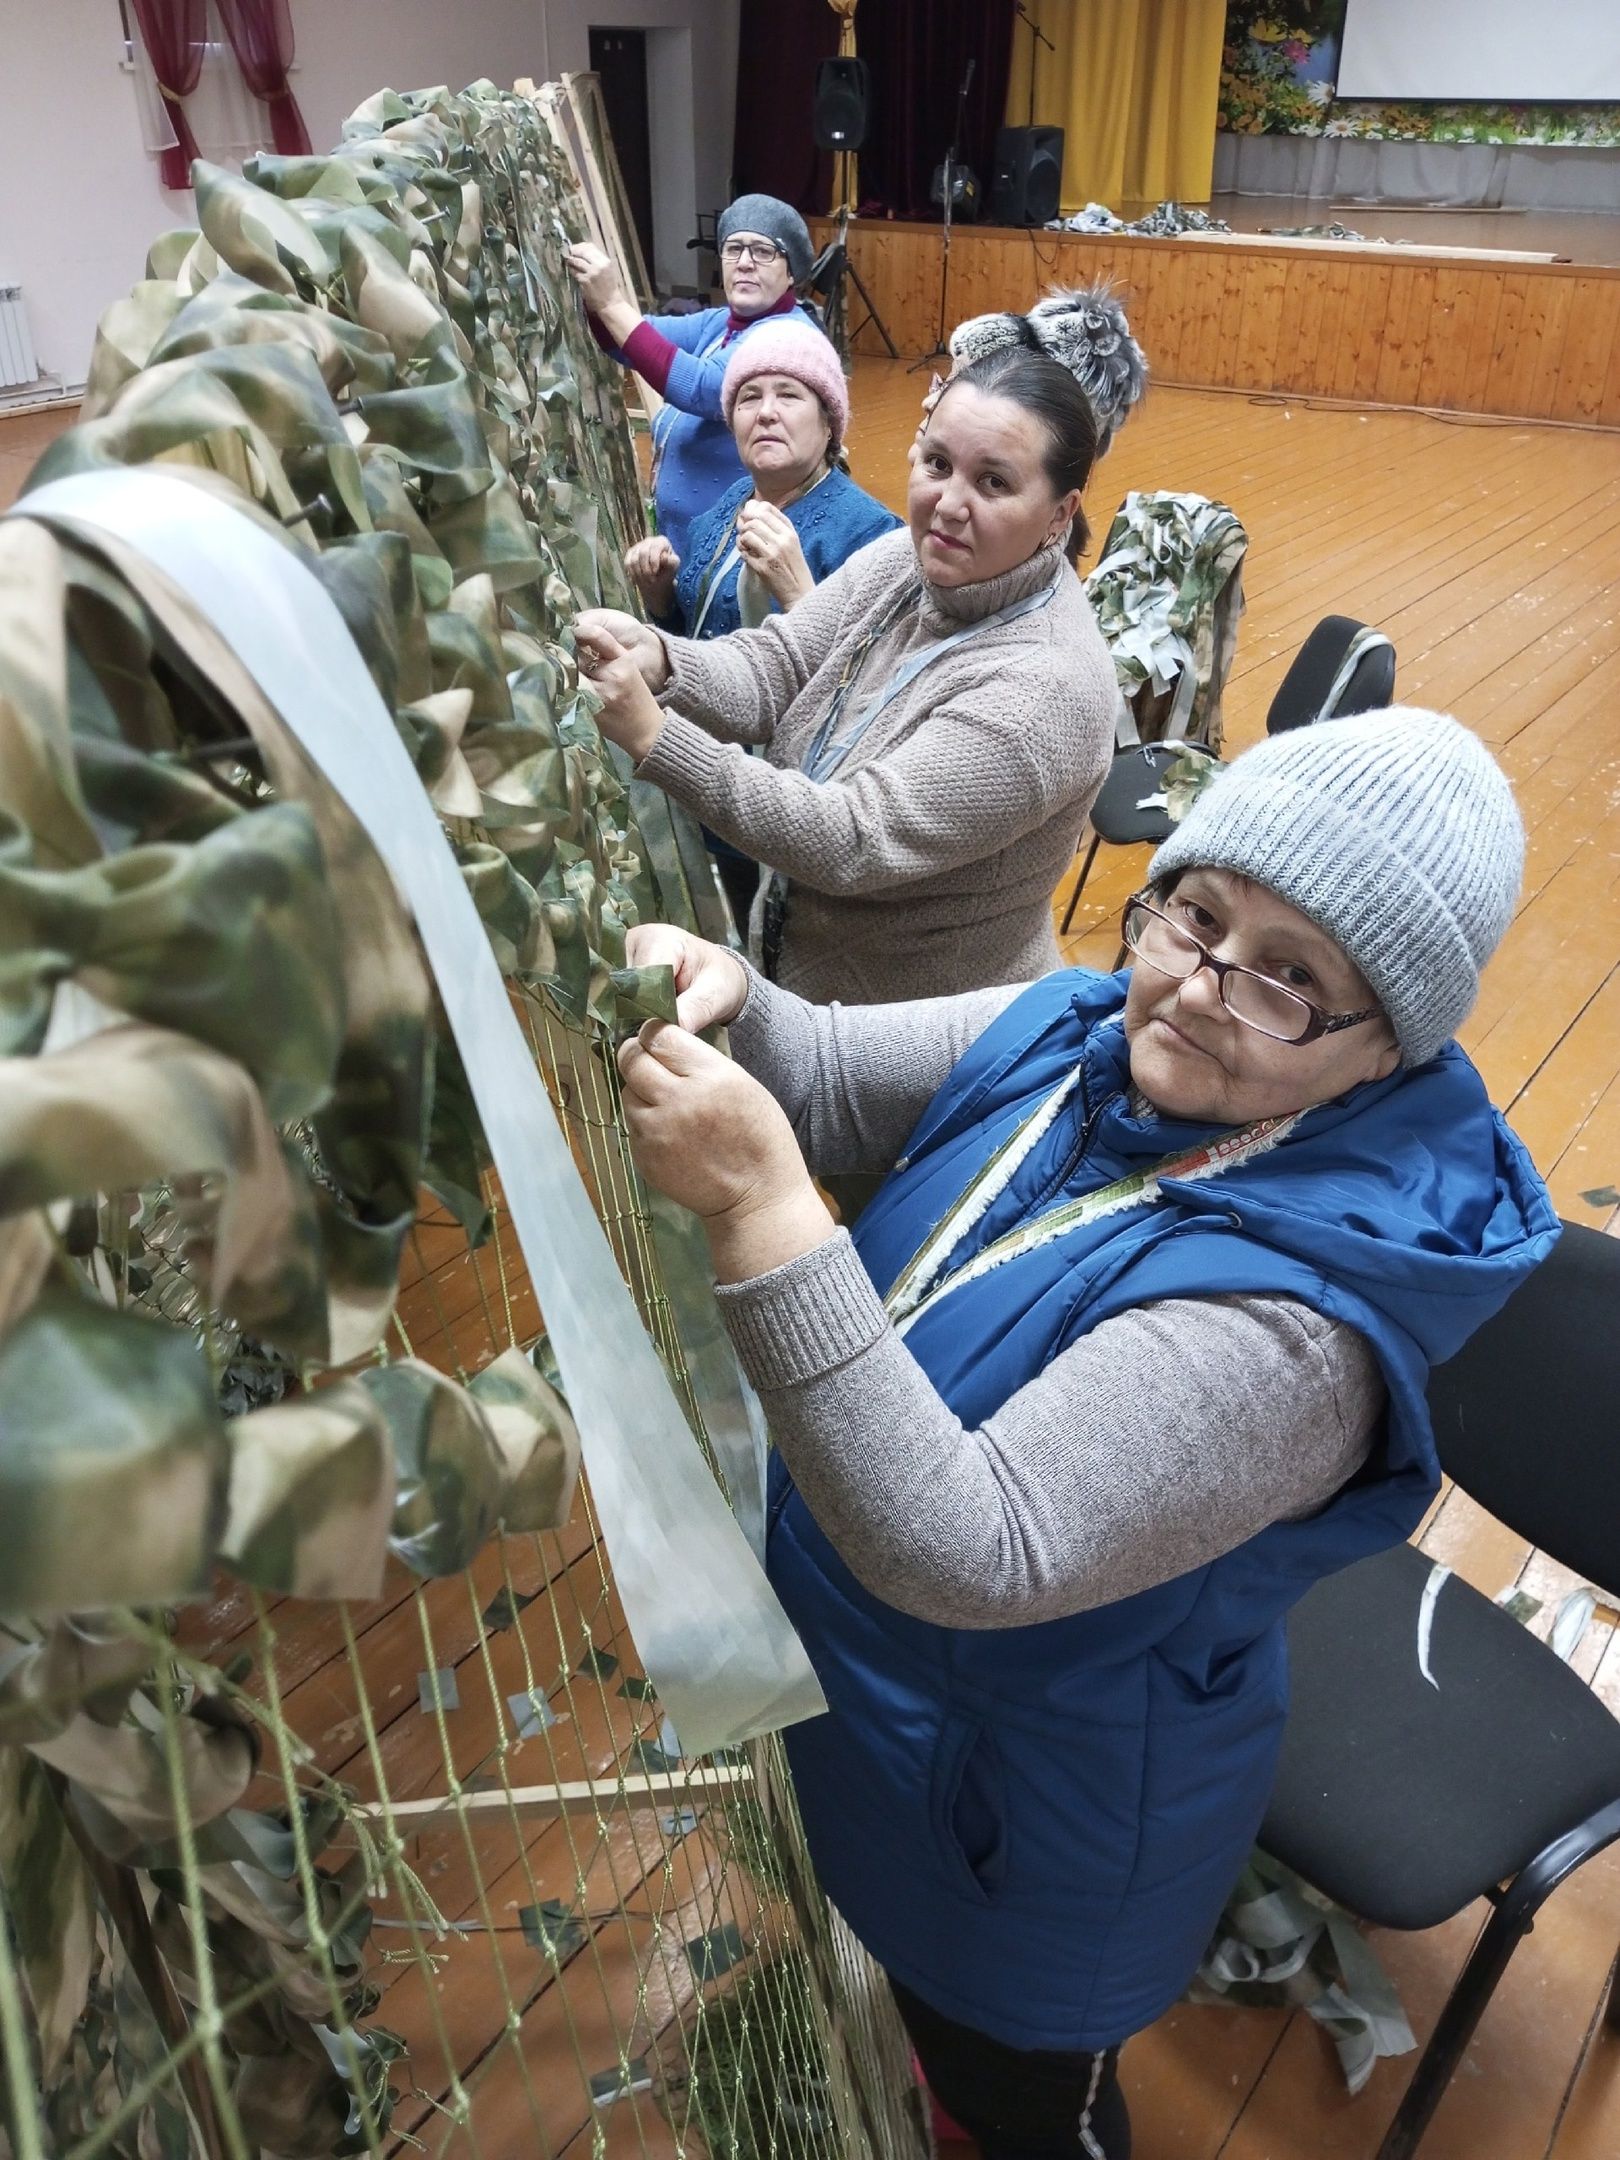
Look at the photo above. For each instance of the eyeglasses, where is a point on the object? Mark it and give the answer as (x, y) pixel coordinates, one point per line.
(1269, 1007)
(751, 251)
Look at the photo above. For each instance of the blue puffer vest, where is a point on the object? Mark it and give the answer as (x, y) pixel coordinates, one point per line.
(1034, 1828)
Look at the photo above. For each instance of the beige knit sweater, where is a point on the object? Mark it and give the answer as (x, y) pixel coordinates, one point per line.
(926, 863)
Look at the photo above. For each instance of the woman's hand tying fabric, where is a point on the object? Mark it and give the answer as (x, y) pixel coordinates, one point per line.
(652, 566)
(594, 274)
(768, 544)
(640, 640)
(628, 714)
(712, 1139)
(711, 983)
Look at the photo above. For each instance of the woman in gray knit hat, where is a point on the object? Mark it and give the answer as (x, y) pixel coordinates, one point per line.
(765, 255)
(1131, 1348)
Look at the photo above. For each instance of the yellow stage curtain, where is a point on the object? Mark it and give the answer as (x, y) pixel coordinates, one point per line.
(1134, 84)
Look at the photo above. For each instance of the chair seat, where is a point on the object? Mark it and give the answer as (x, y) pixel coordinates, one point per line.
(1405, 1802)
(1116, 815)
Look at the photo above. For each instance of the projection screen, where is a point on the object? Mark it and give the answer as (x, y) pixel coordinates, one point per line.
(1498, 50)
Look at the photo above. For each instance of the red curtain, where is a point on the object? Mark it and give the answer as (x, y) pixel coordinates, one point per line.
(172, 32)
(261, 36)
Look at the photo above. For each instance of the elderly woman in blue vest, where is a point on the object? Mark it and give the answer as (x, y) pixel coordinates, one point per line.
(1129, 1350)
(764, 253)
(791, 520)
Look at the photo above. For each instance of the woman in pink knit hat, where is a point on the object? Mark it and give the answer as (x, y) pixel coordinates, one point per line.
(794, 518)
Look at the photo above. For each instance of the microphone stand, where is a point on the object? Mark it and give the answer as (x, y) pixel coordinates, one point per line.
(1038, 38)
(940, 347)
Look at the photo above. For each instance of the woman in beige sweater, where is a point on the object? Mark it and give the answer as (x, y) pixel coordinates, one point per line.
(936, 717)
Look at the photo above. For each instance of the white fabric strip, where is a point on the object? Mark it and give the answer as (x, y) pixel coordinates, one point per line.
(714, 1638)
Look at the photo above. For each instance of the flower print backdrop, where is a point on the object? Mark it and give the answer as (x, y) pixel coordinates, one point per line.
(1281, 63)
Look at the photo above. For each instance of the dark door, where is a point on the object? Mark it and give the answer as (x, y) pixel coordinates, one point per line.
(619, 57)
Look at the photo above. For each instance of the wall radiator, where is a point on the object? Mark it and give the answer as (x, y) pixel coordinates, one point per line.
(17, 368)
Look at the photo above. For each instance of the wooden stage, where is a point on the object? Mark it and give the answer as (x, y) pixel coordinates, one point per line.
(1362, 324)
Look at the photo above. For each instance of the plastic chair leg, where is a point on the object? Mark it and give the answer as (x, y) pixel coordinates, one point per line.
(1079, 885)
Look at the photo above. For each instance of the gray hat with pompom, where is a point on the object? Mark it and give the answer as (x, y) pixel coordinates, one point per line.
(1396, 832)
(1084, 330)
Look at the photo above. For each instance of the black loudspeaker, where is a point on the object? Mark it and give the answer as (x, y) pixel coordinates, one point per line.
(843, 95)
(1027, 181)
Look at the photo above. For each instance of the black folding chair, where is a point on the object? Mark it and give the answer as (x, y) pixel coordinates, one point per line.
(1119, 816)
(1422, 1770)
(1343, 667)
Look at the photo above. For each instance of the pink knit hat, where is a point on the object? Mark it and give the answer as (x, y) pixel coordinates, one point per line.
(785, 347)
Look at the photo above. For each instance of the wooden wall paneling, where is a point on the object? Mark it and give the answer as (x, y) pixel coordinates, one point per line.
(1505, 345)
(1445, 351)
(1303, 293)
(1399, 354)
(1364, 343)
(1531, 386)
(1335, 309)
(1254, 364)
(1537, 341)
(1584, 362)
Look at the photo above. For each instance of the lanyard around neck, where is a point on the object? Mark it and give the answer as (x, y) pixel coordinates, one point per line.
(727, 554)
(923, 1281)
(828, 749)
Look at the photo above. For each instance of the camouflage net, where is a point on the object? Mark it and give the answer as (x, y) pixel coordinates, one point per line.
(335, 1810)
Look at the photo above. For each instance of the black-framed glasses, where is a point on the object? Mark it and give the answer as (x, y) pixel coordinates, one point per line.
(1258, 1001)
(753, 251)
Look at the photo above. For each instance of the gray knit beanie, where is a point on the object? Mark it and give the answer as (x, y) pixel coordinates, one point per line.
(1396, 832)
(777, 221)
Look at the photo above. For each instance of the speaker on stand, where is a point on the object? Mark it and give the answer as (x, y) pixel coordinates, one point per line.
(838, 113)
(838, 122)
(1026, 180)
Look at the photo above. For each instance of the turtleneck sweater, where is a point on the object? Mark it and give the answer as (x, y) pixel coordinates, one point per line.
(926, 862)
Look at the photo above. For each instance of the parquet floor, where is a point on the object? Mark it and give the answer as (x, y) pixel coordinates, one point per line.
(1489, 552)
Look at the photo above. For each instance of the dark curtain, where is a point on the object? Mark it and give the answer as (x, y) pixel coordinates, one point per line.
(261, 36)
(778, 45)
(917, 51)
(172, 32)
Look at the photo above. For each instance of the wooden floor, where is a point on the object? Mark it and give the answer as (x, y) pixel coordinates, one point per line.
(1490, 553)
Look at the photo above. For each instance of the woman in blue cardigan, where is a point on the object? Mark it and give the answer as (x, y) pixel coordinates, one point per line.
(1131, 1348)
(792, 519)
(764, 254)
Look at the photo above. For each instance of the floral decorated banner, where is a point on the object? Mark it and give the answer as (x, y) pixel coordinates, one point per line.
(1279, 71)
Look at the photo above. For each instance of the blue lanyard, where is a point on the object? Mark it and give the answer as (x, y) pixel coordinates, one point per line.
(827, 752)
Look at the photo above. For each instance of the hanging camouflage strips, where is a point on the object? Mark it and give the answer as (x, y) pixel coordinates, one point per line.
(340, 1807)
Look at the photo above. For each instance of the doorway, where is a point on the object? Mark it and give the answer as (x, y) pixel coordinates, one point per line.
(619, 58)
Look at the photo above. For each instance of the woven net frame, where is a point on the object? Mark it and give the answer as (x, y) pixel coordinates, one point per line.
(470, 1894)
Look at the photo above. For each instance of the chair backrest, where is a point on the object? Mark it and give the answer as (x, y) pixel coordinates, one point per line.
(1320, 685)
(1527, 1415)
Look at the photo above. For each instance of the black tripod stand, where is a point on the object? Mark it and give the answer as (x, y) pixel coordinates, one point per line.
(831, 271)
(950, 175)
